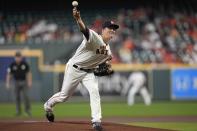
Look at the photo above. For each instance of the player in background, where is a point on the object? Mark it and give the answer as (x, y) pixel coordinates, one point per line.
(19, 70)
(93, 51)
(136, 84)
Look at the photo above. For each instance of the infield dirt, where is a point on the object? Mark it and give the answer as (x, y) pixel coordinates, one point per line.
(67, 126)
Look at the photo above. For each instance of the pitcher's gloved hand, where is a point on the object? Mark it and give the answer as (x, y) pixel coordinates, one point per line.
(104, 69)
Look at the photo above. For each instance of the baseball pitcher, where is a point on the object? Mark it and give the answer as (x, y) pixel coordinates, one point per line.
(91, 59)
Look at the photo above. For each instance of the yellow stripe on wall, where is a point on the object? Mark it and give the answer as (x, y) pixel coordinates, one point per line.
(117, 67)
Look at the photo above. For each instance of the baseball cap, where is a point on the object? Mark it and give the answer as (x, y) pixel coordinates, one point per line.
(18, 54)
(110, 24)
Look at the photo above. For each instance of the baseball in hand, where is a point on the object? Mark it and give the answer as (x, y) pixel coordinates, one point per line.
(75, 3)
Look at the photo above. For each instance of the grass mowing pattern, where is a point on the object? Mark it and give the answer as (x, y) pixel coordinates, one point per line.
(109, 109)
(62, 110)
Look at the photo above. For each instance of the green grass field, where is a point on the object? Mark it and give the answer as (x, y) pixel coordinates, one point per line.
(118, 110)
(186, 126)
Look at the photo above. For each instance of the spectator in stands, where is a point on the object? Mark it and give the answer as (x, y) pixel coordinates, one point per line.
(151, 32)
(125, 52)
(2, 38)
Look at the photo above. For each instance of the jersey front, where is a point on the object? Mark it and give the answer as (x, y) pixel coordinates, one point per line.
(91, 52)
(19, 71)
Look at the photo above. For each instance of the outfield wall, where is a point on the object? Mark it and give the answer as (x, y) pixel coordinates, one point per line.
(47, 79)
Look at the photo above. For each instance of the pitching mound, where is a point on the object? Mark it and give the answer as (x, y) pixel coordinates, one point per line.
(66, 126)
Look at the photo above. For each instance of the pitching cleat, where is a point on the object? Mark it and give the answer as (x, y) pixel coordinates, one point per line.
(97, 126)
(50, 116)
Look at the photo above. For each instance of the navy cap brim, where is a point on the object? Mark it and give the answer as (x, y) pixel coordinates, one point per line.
(113, 26)
(110, 24)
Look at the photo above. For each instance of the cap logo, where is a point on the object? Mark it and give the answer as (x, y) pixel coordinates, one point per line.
(112, 22)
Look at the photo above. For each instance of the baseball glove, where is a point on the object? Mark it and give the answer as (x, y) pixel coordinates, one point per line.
(103, 69)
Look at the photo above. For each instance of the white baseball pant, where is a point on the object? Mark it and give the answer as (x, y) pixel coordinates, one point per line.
(72, 77)
(143, 92)
(138, 81)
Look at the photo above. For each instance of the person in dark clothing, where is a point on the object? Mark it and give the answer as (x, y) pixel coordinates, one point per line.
(19, 70)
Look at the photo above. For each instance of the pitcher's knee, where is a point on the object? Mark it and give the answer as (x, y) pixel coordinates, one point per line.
(95, 95)
(94, 91)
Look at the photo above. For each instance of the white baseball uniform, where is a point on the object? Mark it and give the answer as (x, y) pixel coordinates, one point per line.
(89, 55)
(138, 79)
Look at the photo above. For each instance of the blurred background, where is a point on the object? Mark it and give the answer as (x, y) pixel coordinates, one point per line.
(156, 37)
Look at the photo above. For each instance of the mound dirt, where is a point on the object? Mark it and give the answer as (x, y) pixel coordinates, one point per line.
(67, 126)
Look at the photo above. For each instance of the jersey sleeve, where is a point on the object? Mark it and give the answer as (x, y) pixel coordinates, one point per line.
(89, 33)
(93, 37)
(86, 33)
